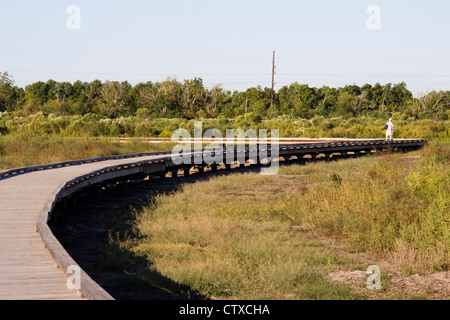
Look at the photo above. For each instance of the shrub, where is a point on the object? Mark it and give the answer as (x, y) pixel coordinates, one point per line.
(165, 134)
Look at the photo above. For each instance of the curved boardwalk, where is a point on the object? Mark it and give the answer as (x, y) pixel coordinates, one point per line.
(33, 263)
(27, 269)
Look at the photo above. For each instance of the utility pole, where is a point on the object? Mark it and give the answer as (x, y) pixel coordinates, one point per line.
(246, 103)
(273, 78)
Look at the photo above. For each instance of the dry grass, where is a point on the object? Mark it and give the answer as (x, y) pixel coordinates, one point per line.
(226, 239)
(20, 150)
(392, 205)
(247, 237)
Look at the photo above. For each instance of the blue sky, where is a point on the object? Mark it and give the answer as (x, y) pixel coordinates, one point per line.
(320, 42)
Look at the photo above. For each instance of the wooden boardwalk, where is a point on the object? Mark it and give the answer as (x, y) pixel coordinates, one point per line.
(33, 263)
(27, 269)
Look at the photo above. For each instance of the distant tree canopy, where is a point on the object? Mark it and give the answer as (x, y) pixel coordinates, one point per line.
(190, 99)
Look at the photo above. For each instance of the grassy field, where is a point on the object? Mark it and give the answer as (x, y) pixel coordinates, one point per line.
(391, 205)
(274, 237)
(20, 150)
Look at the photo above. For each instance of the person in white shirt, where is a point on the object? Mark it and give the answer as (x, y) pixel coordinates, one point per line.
(389, 130)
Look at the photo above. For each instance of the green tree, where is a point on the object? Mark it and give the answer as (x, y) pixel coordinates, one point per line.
(145, 95)
(298, 100)
(36, 95)
(435, 102)
(217, 97)
(168, 99)
(398, 96)
(116, 99)
(379, 95)
(345, 105)
(7, 93)
(91, 95)
(354, 90)
(327, 99)
(193, 98)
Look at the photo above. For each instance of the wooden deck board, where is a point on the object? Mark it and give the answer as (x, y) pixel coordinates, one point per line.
(27, 269)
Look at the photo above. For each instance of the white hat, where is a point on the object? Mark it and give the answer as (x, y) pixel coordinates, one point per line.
(390, 119)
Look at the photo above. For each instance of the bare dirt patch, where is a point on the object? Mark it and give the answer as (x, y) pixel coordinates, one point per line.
(435, 286)
(395, 283)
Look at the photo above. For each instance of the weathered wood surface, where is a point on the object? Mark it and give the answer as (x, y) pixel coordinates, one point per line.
(27, 269)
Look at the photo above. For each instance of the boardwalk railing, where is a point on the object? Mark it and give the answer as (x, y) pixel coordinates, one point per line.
(13, 172)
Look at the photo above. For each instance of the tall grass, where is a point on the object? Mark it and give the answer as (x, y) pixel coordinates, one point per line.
(388, 204)
(19, 150)
(224, 239)
(249, 236)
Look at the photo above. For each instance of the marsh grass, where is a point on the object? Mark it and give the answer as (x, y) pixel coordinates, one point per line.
(391, 205)
(234, 248)
(226, 239)
(20, 150)
(249, 236)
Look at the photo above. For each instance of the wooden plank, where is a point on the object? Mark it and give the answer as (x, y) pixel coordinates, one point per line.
(27, 270)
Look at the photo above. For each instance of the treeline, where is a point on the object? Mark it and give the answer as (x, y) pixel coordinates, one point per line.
(190, 99)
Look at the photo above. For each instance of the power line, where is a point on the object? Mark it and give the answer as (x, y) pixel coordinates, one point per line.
(403, 59)
(139, 56)
(363, 75)
(203, 57)
(236, 74)
(139, 73)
